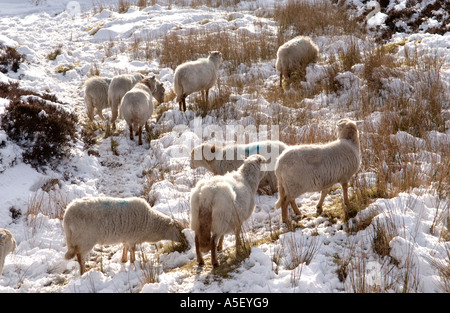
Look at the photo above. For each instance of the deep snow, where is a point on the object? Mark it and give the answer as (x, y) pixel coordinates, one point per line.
(38, 264)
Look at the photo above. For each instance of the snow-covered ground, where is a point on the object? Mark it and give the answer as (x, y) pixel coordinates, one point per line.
(38, 264)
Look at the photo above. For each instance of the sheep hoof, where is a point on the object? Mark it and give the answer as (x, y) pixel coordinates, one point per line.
(215, 265)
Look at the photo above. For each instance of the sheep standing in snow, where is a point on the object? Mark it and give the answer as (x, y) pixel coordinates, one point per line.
(310, 168)
(199, 75)
(229, 158)
(118, 87)
(137, 105)
(91, 221)
(221, 204)
(96, 95)
(7, 245)
(295, 55)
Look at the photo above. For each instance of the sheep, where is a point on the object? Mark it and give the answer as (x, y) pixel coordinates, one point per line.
(7, 245)
(199, 75)
(317, 167)
(137, 104)
(230, 158)
(96, 95)
(119, 85)
(106, 220)
(295, 55)
(221, 204)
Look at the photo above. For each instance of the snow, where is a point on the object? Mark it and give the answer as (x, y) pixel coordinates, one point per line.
(38, 263)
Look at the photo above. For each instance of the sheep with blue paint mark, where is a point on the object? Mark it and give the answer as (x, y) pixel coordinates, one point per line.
(105, 221)
(222, 160)
(221, 204)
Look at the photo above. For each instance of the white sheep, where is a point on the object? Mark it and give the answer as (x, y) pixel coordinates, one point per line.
(221, 204)
(118, 87)
(105, 220)
(199, 75)
(96, 95)
(7, 245)
(137, 105)
(222, 160)
(295, 55)
(310, 168)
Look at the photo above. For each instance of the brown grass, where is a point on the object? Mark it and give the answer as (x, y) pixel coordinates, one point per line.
(317, 17)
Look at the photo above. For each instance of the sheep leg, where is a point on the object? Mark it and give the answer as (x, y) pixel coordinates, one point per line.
(182, 103)
(323, 194)
(207, 97)
(114, 116)
(81, 261)
(200, 260)
(281, 80)
(346, 200)
(132, 253)
(124, 254)
(295, 207)
(140, 135)
(220, 244)
(101, 114)
(131, 131)
(214, 251)
(284, 212)
(90, 112)
(239, 245)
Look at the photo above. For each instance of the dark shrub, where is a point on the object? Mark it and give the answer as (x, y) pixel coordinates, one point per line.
(43, 128)
(10, 59)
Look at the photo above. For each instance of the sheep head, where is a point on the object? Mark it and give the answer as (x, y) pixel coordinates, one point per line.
(346, 129)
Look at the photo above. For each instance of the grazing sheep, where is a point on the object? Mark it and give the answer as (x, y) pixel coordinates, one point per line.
(199, 75)
(7, 245)
(96, 95)
(309, 168)
(221, 204)
(118, 87)
(158, 92)
(231, 158)
(91, 221)
(295, 55)
(137, 105)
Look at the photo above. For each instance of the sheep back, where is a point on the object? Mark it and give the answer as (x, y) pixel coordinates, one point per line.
(137, 105)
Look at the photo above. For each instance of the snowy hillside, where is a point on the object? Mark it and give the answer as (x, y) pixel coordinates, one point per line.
(396, 86)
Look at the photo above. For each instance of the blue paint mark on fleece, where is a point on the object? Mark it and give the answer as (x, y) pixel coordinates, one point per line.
(108, 203)
(254, 149)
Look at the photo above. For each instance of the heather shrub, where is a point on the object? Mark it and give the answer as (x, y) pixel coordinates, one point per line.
(10, 59)
(39, 125)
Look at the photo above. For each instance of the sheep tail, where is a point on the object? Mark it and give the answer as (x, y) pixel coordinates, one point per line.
(70, 254)
(204, 236)
(71, 250)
